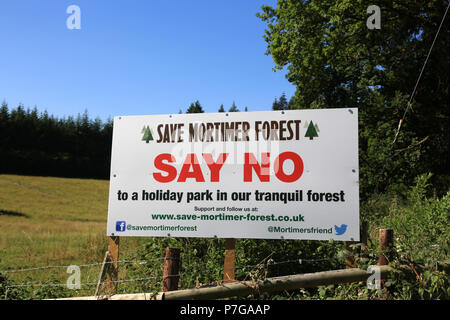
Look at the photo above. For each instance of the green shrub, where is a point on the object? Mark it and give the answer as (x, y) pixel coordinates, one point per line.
(422, 242)
(203, 260)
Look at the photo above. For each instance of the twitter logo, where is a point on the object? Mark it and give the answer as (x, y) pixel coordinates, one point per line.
(340, 230)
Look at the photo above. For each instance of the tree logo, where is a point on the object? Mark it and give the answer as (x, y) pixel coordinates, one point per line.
(147, 134)
(312, 130)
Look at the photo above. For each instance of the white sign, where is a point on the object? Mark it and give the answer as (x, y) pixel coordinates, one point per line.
(273, 174)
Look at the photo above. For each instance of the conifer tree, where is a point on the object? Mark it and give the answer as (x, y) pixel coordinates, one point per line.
(233, 108)
(195, 107)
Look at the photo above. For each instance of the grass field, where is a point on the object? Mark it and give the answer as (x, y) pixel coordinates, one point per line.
(54, 221)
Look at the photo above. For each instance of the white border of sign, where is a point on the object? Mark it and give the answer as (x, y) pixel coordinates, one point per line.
(322, 204)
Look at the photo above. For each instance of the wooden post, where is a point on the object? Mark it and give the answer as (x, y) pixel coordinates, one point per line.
(386, 245)
(363, 234)
(113, 269)
(102, 274)
(350, 261)
(230, 260)
(171, 269)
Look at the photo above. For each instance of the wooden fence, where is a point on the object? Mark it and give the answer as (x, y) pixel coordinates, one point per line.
(232, 288)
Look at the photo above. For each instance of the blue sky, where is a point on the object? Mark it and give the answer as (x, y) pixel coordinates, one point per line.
(136, 57)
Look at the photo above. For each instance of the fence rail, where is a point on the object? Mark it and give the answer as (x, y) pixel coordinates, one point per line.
(246, 288)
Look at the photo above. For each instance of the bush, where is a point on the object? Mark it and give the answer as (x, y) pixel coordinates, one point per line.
(422, 241)
(203, 261)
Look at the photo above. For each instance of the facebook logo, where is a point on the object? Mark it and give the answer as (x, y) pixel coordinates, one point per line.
(120, 226)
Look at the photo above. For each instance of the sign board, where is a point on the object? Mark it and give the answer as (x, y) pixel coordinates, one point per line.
(273, 174)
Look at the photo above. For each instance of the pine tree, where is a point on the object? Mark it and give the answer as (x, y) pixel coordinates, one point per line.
(291, 103)
(147, 134)
(4, 113)
(233, 108)
(221, 109)
(311, 132)
(195, 107)
(281, 104)
(283, 101)
(276, 105)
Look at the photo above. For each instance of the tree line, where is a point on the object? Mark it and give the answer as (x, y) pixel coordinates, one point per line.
(36, 143)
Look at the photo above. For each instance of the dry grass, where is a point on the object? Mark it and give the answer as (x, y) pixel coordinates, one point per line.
(53, 221)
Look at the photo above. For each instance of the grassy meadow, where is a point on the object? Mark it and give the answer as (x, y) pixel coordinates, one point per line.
(47, 221)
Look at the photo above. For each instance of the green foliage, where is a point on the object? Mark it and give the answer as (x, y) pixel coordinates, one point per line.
(38, 144)
(334, 60)
(422, 243)
(281, 104)
(233, 108)
(195, 107)
(422, 223)
(7, 293)
(203, 260)
(10, 291)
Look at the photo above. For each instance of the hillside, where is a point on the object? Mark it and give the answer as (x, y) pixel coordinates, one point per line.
(49, 220)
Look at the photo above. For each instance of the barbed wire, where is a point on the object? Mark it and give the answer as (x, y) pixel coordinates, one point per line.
(299, 260)
(87, 265)
(39, 284)
(266, 263)
(269, 262)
